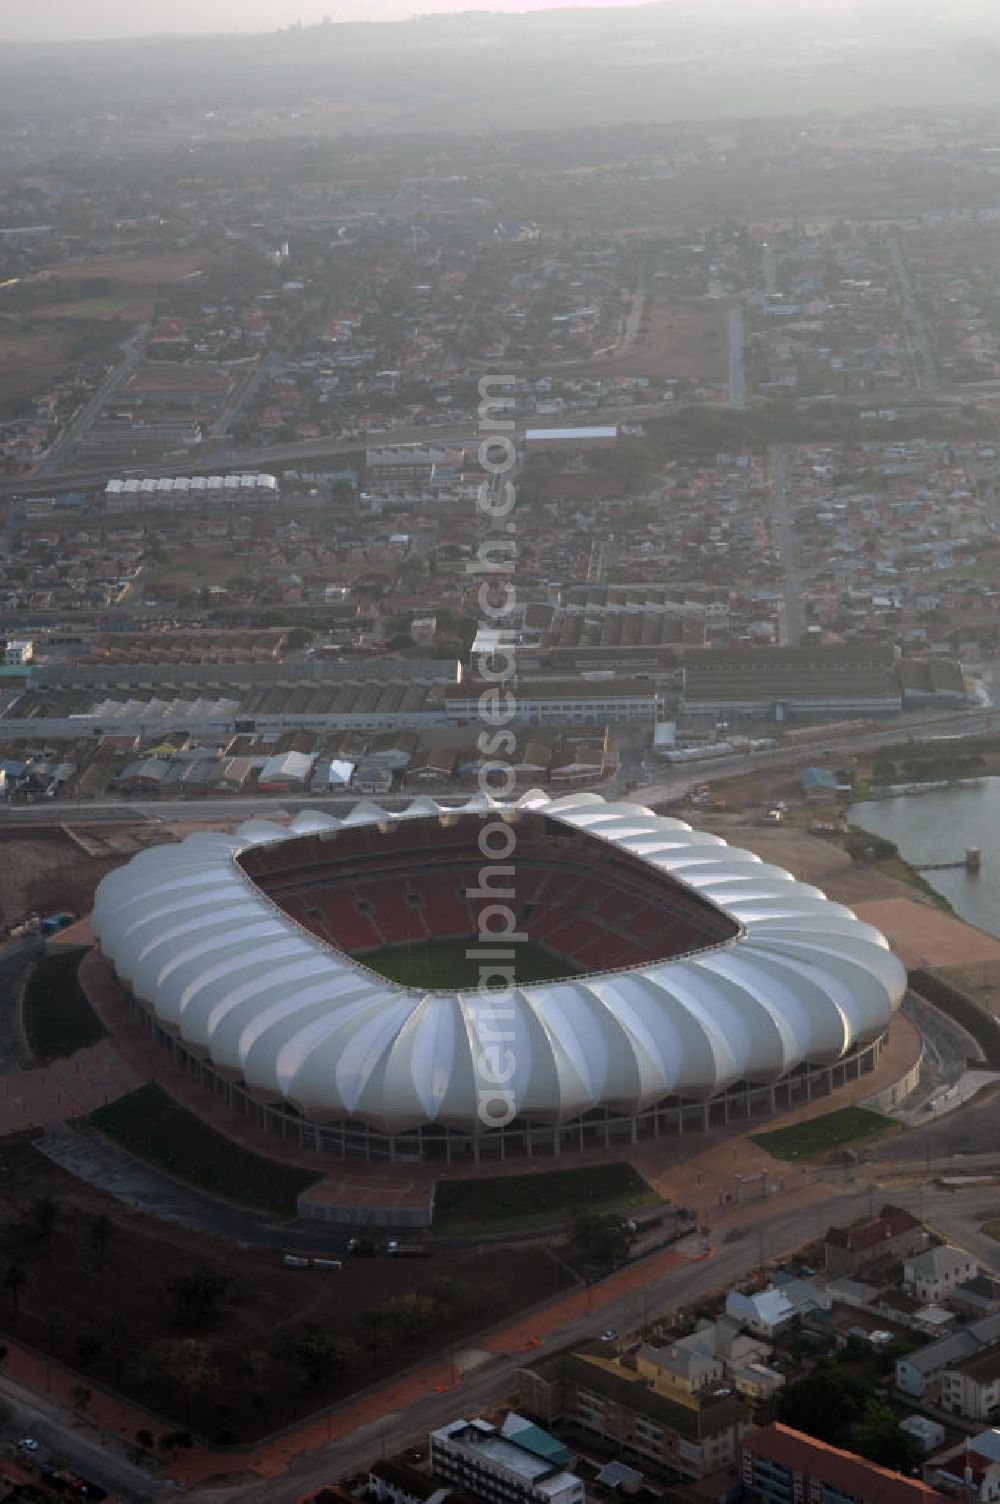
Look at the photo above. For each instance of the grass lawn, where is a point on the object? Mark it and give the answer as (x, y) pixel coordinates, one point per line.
(444, 964)
(151, 1124)
(991, 1229)
(525, 1201)
(57, 1016)
(848, 1125)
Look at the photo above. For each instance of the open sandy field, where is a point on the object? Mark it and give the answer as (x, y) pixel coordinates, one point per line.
(683, 340)
(136, 271)
(34, 349)
(47, 872)
(29, 359)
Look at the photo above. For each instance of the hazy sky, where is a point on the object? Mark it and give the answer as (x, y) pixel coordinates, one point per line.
(60, 20)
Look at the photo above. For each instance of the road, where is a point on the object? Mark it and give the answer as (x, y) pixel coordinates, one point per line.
(85, 417)
(737, 361)
(769, 269)
(15, 958)
(634, 321)
(77, 1445)
(770, 1234)
(930, 381)
(792, 620)
(244, 392)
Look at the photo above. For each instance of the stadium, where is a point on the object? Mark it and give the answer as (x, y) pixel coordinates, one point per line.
(336, 980)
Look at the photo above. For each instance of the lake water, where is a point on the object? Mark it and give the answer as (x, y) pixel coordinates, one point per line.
(938, 828)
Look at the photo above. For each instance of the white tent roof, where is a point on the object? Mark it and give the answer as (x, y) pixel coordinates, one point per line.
(302, 1022)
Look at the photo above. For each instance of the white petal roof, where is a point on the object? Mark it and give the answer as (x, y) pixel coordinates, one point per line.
(299, 1021)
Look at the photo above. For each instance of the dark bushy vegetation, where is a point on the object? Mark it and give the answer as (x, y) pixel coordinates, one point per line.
(58, 1019)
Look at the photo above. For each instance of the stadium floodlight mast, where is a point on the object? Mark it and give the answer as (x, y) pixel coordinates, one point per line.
(493, 1015)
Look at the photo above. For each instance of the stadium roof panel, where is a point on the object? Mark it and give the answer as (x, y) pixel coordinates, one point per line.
(302, 1022)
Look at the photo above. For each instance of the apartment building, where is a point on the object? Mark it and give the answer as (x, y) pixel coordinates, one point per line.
(778, 1465)
(694, 1434)
(516, 1464)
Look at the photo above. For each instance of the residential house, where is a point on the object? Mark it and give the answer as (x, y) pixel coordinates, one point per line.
(931, 1276)
(972, 1387)
(765, 1312)
(978, 1296)
(286, 770)
(971, 1470)
(393, 1481)
(918, 1372)
(371, 778)
(893, 1234)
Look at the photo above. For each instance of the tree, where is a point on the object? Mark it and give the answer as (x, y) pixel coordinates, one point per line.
(258, 1365)
(877, 1436)
(599, 1240)
(188, 1364)
(176, 1441)
(46, 1213)
(320, 1356)
(101, 1229)
(827, 1402)
(14, 1280)
(88, 1348)
(411, 1313)
(374, 1322)
(200, 1292)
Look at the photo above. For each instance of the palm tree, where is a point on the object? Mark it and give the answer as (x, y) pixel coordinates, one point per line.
(46, 1216)
(188, 1364)
(14, 1280)
(101, 1229)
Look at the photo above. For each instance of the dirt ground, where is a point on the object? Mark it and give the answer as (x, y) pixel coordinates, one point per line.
(682, 340)
(72, 1298)
(980, 981)
(140, 271)
(29, 359)
(809, 858)
(48, 873)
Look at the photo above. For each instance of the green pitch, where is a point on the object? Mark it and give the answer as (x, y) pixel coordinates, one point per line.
(445, 966)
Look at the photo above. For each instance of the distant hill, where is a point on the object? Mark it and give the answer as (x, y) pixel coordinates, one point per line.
(478, 71)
